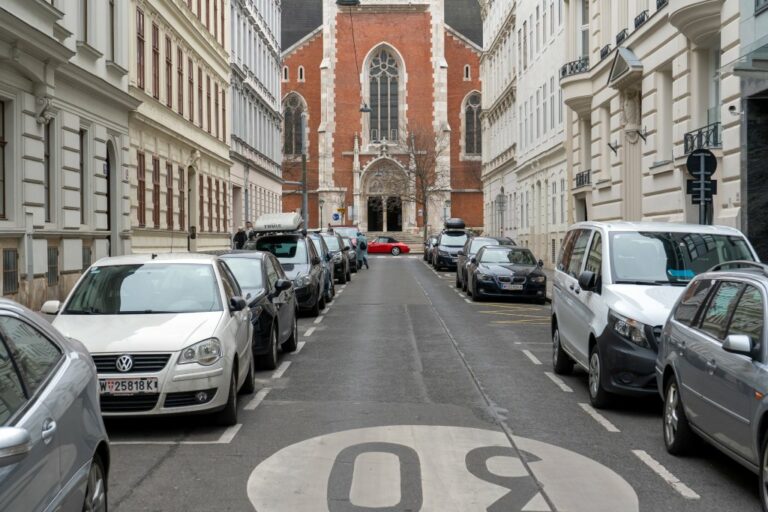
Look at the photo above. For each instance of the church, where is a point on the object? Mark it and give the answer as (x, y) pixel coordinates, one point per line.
(390, 94)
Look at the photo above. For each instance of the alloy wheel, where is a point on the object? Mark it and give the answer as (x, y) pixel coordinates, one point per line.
(670, 415)
(594, 374)
(96, 496)
(555, 346)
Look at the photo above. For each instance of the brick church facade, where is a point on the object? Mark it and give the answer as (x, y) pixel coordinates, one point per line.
(416, 65)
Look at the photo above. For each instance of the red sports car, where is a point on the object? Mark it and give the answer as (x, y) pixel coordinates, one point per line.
(387, 244)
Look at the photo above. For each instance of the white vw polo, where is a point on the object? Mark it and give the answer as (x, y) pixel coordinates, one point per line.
(169, 334)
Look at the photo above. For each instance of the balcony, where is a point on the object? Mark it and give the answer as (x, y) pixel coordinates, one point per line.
(605, 51)
(696, 19)
(640, 19)
(583, 179)
(660, 4)
(710, 136)
(576, 84)
(621, 37)
(575, 67)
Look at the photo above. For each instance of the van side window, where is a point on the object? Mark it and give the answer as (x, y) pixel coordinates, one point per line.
(565, 250)
(715, 319)
(692, 300)
(577, 254)
(595, 257)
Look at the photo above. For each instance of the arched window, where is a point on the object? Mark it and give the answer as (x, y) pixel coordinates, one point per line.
(285, 74)
(293, 108)
(301, 73)
(467, 72)
(472, 130)
(384, 75)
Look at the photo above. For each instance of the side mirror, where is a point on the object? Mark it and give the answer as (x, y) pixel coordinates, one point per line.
(14, 445)
(473, 261)
(541, 263)
(282, 284)
(237, 304)
(51, 307)
(738, 344)
(461, 253)
(316, 260)
(587, 281)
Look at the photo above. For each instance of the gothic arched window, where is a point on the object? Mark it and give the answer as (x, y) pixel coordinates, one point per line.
(293, 107)
(384, 81)
(472, 130)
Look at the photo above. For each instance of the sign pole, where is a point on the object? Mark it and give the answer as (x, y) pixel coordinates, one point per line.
(702, 193)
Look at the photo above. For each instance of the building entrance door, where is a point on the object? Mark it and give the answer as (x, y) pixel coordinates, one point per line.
(375, 214)
(394, 214)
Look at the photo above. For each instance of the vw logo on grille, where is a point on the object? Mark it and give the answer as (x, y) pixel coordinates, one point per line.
(124, 363)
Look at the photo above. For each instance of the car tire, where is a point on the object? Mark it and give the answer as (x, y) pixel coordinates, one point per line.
(249, 386)
(321, 301)
(562, 363)
(395, 251)
(476, 296)
(458, 281)
(96, 487)
(343, 278)
(349, 276)
(268, 361)
(598, 396)
(764, 473)
(228, 415)
(678, 435)
(353, 268)
(292, 343)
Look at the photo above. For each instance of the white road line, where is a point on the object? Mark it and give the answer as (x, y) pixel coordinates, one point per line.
(309, 332)
(533, 358)
(685, 491)
(260, 396)
(602, 420)
(229, 434)
(319, 319)
(299, 347)
(559, 382)
(281, 369)
(225, 438)
(468, 301)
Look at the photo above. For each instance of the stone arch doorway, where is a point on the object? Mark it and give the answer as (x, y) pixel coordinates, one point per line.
(384, 190)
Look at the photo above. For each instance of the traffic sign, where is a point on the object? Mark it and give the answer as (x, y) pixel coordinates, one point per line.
(341, 210)
(336, 217)
(701, 161)
(697, 189)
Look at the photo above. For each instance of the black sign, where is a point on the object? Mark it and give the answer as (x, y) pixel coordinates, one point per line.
(701, 161)
(701, 191)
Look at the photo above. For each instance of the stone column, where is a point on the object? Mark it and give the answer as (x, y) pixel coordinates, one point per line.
(632, 191)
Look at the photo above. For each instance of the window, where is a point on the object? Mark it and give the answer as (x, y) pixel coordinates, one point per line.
(292, 111)
(208, 102)
(169, 195)
(83, 21)
(748, 316)
(10, 271)
(225, 213)
(3, 142)
(168, 72)
(199, 96)
(525, 44)
(155, 62)
(552, 102)
(216, 110)
(14, 398)
(34, 354)
(223, 115)
(182, 200)
(577, 254)
(83, 142)
(715, 319)
(301, 73)
(544, 118)
(201, 204)
(692, 300)
(48, 176)
(221, 16)
(384, 83)
(141, 190)
(180, 80)
(191, 89)
(210, 204)
(215, 19)
(467, 72)
(208, 14)
(760, 6)
(473, 128)
(86, 257)
(285, 74)
(218, 206)
(112, 53)
(199, 10)
(53, 266)
(156, 192)
(562, 201)
(595, 257)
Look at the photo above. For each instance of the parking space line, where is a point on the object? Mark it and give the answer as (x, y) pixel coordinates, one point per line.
(299, 347)
(309, 332)
(225, 438)
(468, 301)
(260, 396)
(685, 491)
(319, 319)
(602, 420)
(533, 358)
(281, 369)
(559, 382)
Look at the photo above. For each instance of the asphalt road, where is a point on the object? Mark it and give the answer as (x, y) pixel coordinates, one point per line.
(405, 396)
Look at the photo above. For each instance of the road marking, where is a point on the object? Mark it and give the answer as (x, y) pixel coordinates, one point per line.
(309, 332)
(260, 396)
(299, 347)
(281, 369)
(225, 438)
(685, 491)
(319, 319)
(468, 301)
(602, 420)
(376, 481)
(559, 382)
(533, 358)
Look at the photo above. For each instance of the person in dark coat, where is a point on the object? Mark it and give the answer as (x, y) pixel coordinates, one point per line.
(240, 238)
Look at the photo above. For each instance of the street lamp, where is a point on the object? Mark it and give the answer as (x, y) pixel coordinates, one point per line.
(321, 203)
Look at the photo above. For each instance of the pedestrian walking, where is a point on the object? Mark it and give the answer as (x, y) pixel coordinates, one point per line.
(362, 251)
(240, 238)
(248, 229)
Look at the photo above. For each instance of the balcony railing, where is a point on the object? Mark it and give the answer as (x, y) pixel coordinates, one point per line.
(710, 136)
(575, 67)
(660, 4)
(621, 36)
(605, 51)
(583, 178)
(640, 19)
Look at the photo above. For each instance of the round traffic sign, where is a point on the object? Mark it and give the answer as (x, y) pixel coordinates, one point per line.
(336, 217)
(701, 161)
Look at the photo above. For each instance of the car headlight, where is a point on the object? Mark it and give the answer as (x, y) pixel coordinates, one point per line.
(443, 253)
(539, 279)
(302, 281)
(629, 329)
(205, 352)
(337, 257)
(485, 277)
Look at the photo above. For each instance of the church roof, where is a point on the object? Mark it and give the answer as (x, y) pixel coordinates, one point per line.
(464, 17)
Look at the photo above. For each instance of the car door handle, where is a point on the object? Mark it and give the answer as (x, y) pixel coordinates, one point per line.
(711, 367)
(49, 430)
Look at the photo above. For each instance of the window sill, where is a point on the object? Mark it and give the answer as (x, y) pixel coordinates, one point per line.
(117, 68)
(662, 167)
(61, 32)
(85, 47)
(603, 184)
(51, 10)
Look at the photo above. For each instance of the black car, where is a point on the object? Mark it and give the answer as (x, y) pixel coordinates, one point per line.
(504, 271)
(351, 253)
(446, 250)
(470, 248)
(429, 245)
(338, 250)
(272, 301)
(325, 257)
(301, 263)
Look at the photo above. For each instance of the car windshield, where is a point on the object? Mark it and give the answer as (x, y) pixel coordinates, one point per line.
(145, 289)
(671, 258)
(514, 257)
(287, 249)
(332, 242)
(349, 232)
(247, 272)
(453, 239)
(479, 243)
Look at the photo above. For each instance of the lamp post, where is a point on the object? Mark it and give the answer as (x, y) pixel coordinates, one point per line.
(321, 203)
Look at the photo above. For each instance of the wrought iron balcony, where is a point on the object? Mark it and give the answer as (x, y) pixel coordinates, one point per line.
(605, 51)
(575, 67)
(621, 36)
(641, 18)
(710, 136)
(583, 179)
(660, 4)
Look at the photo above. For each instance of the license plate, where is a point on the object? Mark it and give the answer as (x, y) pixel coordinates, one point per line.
(512, 287)
(137, 386)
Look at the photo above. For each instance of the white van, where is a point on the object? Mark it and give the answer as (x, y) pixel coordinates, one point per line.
(615, 284)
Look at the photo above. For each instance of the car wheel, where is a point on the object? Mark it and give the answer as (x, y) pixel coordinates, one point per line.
(96, 487)
(343, 278)
(228, 415)
(268, 361)
(249, 386)
(354, 268)
(476, 296)
(395, 251)
(349, 275)
(598, 396)
(458, 281)
(764, 474)
(561, 361)
(292, 343)
(677, 432)
(321, 301)
(333, 289)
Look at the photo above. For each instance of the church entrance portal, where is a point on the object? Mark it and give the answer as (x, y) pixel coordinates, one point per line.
(385, 214)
